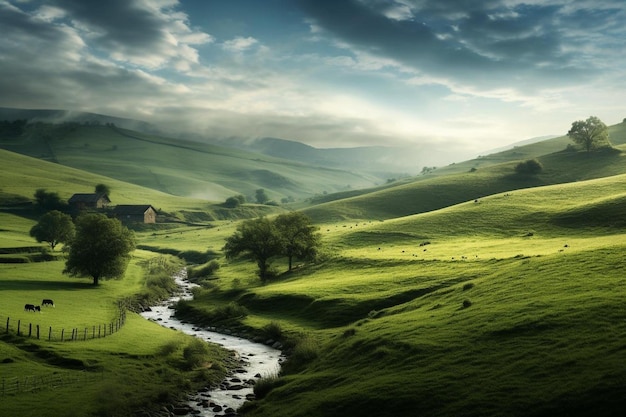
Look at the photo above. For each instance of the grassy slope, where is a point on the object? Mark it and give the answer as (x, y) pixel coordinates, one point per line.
(181, 167)
(23, 175)
(541, 270)
(426, 194)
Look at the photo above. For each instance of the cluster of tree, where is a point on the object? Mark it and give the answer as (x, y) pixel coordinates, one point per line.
(99, 246)
(290, 235)
(49, 200)
(12, 129)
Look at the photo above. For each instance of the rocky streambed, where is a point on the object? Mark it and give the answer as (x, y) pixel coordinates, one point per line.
(256, 360)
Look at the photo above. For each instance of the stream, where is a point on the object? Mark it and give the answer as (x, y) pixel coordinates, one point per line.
(256, 360)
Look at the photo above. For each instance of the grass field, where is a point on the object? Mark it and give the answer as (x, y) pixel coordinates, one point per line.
(471, 294)
(138, 367)
(514, 307)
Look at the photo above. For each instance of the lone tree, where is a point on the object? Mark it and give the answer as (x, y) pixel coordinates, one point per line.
(590, 134)
(529, 167)
(258, 238)
(298, 236)
(101, 248)
(103, 189)
(54, 227)
(261, 196)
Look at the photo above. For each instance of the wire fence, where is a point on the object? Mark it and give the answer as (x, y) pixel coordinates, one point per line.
(51, 334)
(29, 384)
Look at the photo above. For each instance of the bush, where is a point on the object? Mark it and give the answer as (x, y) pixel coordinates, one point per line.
(529, 167)
(264, 385)
(196, 353)
(273, 330)
(304, 352)
(232, 202)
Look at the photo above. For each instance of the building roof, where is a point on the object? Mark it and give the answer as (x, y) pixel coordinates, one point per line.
(129, 209)
(88, 198)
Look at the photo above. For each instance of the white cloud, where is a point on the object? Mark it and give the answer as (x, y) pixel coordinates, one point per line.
(240, 44)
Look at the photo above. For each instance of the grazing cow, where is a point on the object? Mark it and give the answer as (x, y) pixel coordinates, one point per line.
(47, 302)
(38, 308)
(29, 307)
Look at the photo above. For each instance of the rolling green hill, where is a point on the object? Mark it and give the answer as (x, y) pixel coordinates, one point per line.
(509, 306)
(178, 167)
(449, 186)
(462, 292)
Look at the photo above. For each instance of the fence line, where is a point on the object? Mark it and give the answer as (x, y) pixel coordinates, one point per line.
(95, 331)
(35, 383)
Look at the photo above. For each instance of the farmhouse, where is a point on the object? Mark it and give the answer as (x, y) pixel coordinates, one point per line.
(135, 213)
(91, 201)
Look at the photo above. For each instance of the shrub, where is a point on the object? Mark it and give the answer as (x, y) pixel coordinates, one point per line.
(273, 330)
(264, 385)
(305, 351)
(195, 353)
(466, 303)
(529, 167)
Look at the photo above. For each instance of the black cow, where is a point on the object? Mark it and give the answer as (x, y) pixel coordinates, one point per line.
(47, 302)
(29, 307)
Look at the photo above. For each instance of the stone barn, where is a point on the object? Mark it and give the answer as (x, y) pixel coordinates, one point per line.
(135, 213)
(92, 201)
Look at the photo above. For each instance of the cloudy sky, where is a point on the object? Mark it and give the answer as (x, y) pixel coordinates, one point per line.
(465, 75)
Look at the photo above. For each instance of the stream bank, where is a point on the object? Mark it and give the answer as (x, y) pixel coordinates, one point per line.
(256, 360)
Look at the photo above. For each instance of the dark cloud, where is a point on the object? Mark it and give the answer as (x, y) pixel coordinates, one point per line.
(484, 44)
(116, 24)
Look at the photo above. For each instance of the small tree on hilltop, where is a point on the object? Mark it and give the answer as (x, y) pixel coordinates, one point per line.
(590, 134)
(257, 237)
(298, 235)
(529, 167)
(54, 227)
(101, 248)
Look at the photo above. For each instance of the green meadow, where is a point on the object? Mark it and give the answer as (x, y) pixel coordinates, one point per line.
(468, 292)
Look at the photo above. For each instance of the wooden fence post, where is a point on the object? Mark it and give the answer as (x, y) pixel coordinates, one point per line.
(50, 334)
(37, 332)
(8, 318)
(30, 329)
(18, 326)
(62, 332)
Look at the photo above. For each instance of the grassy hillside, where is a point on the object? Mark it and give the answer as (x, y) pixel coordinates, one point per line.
(509, 306)
(178, 167)
(478, 293)
(23, 175)
(439, 191)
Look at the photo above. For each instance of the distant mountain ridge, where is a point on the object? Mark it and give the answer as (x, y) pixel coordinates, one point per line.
(384, 160)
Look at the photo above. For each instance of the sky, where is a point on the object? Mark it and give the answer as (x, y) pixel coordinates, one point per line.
(462, 76)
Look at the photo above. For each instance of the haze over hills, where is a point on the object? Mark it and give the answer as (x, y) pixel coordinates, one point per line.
(380, 161)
